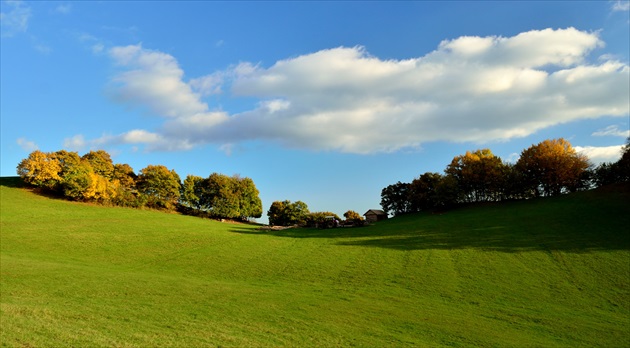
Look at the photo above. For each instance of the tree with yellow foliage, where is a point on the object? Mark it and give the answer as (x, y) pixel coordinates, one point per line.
(159, 186)
(552, 167)
(479, 175)
(101, 163)
(40, 169)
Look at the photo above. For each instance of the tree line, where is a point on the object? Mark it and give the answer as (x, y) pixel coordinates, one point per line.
(287, 213)
(94, 177)
(549, 168)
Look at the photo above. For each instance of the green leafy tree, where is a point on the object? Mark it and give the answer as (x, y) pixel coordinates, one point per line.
(276, 213)
(250, 205)
(222, 198)
(395, 199)
(286, 213)
(67, 160)
(321, 219)
(192, 191)
(160, 186)
(423, 191)
(297, 213)
(623, 165)
(77, 181)
(447, 192)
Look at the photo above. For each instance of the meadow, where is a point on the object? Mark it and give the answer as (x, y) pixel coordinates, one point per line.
(543, 272)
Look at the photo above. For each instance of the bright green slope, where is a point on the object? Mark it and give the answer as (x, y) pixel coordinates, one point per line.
(551, 272)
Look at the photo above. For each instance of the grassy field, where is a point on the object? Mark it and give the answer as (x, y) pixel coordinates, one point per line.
(549, 272)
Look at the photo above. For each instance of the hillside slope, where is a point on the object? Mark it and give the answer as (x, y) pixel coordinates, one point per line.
(548, 272)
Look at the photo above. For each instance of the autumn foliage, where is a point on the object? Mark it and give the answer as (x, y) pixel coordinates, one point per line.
(549, 168)
(94, 177)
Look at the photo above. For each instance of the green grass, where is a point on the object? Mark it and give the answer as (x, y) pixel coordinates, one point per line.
(549, 272)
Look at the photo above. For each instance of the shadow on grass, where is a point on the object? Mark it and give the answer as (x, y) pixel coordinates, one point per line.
(588, 221)
(497, 238)
(12, 181)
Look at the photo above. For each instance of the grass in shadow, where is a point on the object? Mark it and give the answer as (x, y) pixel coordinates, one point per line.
(581, 222)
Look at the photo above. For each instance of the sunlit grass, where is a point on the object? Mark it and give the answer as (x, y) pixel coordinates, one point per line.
(552, 272)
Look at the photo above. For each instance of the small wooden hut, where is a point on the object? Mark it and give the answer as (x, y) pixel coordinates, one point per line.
(374, 215)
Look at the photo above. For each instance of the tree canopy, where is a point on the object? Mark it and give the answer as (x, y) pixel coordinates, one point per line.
(287, 213)
(94, 177)
(551, 167)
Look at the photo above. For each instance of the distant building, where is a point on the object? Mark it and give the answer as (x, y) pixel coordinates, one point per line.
(374, 215)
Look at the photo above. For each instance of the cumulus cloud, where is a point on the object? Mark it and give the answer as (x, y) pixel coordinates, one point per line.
(601, 154)
(15, 19)
(473, 89)
(154, 80)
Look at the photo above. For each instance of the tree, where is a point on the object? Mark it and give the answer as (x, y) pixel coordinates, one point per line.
(423, 193)
(124, 173)
(40, 169)
(285, 213)
(250, 205)
(478, 175)
(276, 213)
(623, 165)
(297, 213)
(447, 193)
(221, 196)
(101, 163)
(160, 186)
(552, 167)
(352, 215)
(77, 180)
(67, 161)
(192, 191)
(395, 198)
(322, 219)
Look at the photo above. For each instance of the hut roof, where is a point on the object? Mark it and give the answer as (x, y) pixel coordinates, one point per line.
(375, 211)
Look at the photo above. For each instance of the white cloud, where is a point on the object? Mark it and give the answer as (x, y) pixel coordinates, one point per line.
(27, 145)
(601, 154)
(15, 19)
(75, 143)
(154, 80)
(91, 42)
(208, 85)
(475, 89)
(63, 9)
(612, 131)
(621, 5)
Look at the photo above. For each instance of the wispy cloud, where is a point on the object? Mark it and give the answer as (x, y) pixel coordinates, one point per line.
(470, 89)
(14, 18)
(75, 143)
(91, 42)
(27, 145)
(612, 131)
(621, 5)
(63, 9)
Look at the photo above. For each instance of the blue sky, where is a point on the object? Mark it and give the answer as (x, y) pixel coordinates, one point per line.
(324, 102)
